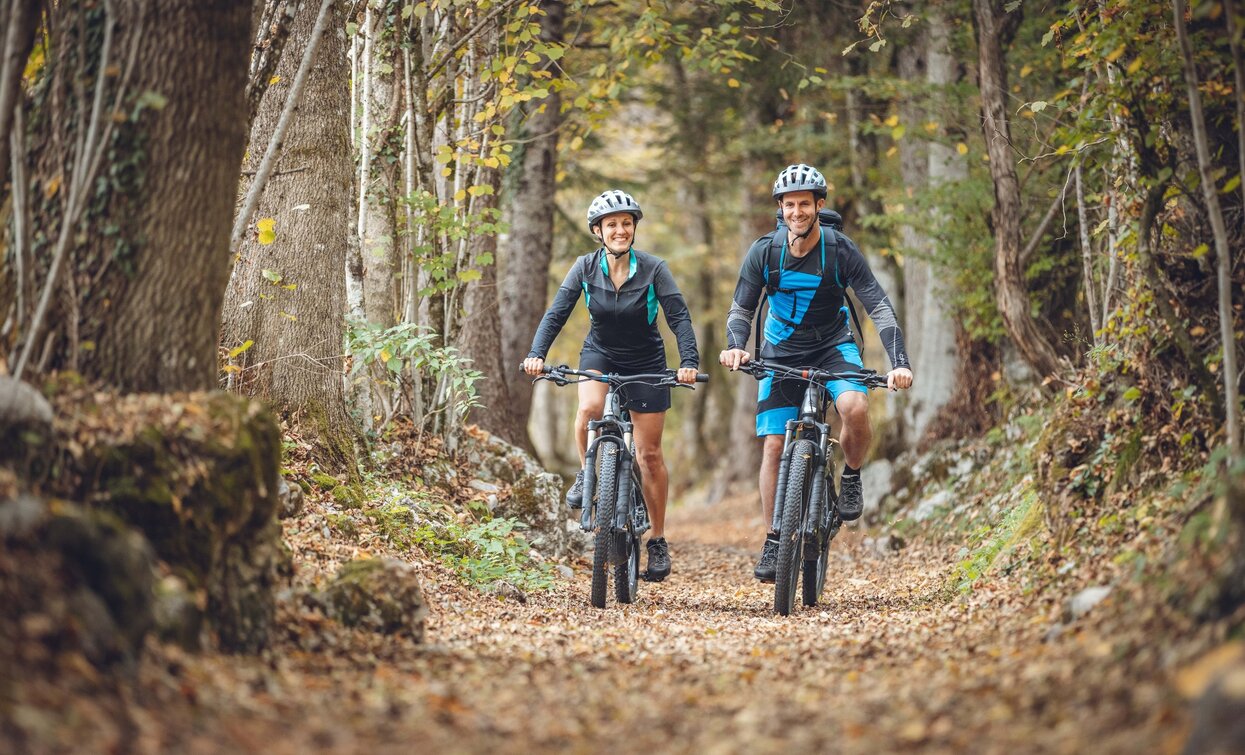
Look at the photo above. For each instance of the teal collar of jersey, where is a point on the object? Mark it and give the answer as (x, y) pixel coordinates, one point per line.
(605, 267)
(783, 257)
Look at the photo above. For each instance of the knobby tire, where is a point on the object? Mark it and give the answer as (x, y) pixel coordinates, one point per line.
(815, 569)
(627, 570)
(790, 532)
(607, 495)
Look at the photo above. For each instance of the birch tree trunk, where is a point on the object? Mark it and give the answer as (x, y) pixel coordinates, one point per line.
(136, 296)
(928, 326)
(289, 296)
(380, 182)
(995, 29)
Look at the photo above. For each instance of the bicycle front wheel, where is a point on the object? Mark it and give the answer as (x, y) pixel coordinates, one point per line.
(607, 496)
(791, 530)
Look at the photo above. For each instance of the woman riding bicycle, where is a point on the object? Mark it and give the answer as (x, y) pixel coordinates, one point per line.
(623, 288)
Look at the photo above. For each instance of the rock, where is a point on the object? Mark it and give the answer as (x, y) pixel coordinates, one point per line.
(535, 495)
(74, 578)
(876, 479)
(565, 571)
(380, 594)
(503, 589)
(198, 475)
(930, 505)
(886, 545)
(1084, 601)
(290, 498)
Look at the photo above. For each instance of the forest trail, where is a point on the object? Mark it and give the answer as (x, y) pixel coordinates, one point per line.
(698, 664)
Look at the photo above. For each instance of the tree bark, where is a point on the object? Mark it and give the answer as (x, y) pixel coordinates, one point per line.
(928, 325)
(380, 180)
(480, 339)
(297, 320)
(1223, 254)
(138, 306)
(995, 29)
(18, 19)
(528, 249)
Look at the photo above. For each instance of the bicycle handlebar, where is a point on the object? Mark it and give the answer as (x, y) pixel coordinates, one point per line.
(558, 373)
(759, 368)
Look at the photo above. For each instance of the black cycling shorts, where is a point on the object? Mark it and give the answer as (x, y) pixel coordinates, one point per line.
(636, 397)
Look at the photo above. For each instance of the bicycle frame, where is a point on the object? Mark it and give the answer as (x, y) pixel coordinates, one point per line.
(812, 410)
(615, 423)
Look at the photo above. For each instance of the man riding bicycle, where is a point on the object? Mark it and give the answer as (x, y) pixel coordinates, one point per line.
(805, 270)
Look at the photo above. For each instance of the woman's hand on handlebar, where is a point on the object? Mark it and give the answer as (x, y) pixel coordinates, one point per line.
(533, 365)
(734, 358)
(686, 375)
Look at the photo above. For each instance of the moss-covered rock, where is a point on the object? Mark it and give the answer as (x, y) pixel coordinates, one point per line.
(198, 474)
(380, 594)
(349, 496)
(72, 579)
(325, 481)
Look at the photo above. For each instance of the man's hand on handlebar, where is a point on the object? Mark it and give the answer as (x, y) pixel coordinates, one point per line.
(734, 358)
(533, 365)
(899, 378)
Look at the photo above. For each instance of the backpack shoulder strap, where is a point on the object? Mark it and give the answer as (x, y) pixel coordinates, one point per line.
(858, 334)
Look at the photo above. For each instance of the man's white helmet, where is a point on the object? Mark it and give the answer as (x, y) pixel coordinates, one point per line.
(800, 177)
(611, 201)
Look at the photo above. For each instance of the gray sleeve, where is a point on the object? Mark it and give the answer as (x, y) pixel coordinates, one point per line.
(877, 304)
(747, 295)
(677, 316)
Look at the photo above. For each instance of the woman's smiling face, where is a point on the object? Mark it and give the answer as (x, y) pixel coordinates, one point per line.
(617, 231)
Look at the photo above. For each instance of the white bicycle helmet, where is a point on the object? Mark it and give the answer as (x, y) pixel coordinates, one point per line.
(800, 177)
(611, 201)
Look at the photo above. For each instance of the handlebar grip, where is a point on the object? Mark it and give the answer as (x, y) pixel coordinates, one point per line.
(702, 377)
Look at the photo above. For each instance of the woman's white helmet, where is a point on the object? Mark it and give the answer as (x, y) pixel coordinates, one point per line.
(800, 177)
(611, 201)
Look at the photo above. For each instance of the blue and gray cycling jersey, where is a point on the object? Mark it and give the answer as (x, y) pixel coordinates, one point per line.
(808, 312)
(624, 319)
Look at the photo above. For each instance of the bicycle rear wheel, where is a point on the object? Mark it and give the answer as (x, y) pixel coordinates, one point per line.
(607, 495)
(791, 530)
(815, 568)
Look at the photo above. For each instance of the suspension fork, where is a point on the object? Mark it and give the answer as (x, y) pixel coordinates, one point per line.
(780, 489)
(816, 504)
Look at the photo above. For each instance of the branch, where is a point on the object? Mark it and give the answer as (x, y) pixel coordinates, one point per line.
(274, 145)
(1029, 248)
(471, 33)
(18, 20)
(274, 32)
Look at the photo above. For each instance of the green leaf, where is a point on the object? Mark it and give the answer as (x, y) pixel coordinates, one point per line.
(235, 351)
(1231, 184)
(1038, 106)
(467, 276)
(1132, 394)
(272, 276)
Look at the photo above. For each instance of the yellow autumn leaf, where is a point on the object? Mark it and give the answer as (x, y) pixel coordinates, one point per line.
(1025, 71)
(273, 80)
(732, 83)
(962, 148)
(267, 228)
(385, 356)
(232, 368)
(892, 121)
(1115, 54)
(460, 195)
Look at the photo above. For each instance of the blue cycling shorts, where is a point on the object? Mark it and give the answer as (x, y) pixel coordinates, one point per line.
(778, 399)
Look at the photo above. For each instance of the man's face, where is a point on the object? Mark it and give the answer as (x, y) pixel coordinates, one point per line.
(799, 210)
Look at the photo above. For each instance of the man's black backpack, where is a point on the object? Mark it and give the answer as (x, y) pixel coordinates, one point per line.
(832, 227)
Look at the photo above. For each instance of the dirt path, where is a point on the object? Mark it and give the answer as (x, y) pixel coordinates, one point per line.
(701, 664)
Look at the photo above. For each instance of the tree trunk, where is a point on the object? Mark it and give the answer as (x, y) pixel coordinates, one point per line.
(1223, 254)
(289, 296)
(928, 326)
(18, 19)
(145, 269)
(480, 340)
(995, 29)
(380, 181)
(528, 249)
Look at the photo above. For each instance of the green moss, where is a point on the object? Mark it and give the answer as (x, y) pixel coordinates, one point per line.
(324, 481)
(525, 505)
(343, 524)
(349, 496)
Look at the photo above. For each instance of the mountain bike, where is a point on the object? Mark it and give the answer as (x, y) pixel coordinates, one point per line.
(614, 508)
(806, 512)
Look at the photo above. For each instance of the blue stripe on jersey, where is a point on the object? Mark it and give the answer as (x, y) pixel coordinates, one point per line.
(587, 299)
(792, 302)
(652, 304)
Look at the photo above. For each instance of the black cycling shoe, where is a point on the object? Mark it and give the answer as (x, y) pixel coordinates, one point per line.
(769, 559)
(575, 496)
(851, 497)
(658, 560)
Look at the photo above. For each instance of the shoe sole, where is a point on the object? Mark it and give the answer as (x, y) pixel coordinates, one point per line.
(764, 580)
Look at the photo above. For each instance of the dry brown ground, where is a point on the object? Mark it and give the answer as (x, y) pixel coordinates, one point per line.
(888, 663)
